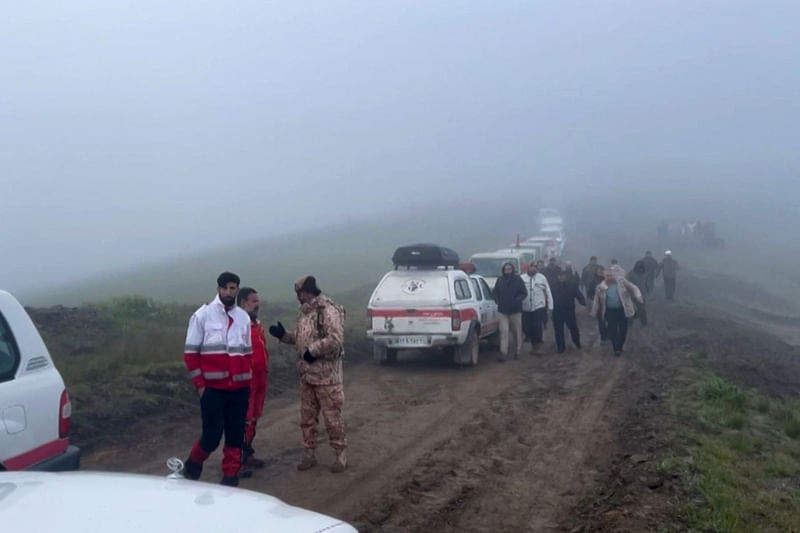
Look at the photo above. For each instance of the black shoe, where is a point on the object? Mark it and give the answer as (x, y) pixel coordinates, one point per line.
(618, 353)
(230, 481)
(192, 470)
(578, 347)
(561, 350)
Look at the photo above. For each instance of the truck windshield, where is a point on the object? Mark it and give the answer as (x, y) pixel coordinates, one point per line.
(492, 267)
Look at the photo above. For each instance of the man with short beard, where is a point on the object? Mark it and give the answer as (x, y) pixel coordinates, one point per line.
(218, 355)
(249, 302)
(318, 338)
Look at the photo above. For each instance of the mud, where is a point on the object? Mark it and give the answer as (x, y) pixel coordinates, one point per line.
(546, 443)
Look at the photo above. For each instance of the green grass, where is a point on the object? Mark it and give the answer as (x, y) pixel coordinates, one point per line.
(122, 360)
(743, 470)
(343, 257)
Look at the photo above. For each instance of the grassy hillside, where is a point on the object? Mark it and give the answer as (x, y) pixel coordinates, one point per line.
(122, 360)
(342, 257)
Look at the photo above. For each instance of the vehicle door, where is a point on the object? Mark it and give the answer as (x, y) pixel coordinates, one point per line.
(12, 408)
(30, 390)
(466, 304)
(493, 317)
(482, 305)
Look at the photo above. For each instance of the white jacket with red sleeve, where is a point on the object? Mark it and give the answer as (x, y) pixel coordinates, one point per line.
(218, 350)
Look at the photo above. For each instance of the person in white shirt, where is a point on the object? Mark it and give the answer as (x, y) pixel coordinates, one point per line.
(536, 305)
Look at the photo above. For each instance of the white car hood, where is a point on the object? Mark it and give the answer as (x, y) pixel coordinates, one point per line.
(89, 502)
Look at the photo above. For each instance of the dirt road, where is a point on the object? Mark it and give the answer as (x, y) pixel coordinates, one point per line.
(499, 447)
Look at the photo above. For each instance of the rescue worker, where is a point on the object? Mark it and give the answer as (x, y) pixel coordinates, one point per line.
(590, 278)
(669, 269)
(565, 292)
(651, 269)
(319, 340)
(613, 302)
(509, 293)
(535, 305)
(249, 302)
(218, 355)
(638, 276)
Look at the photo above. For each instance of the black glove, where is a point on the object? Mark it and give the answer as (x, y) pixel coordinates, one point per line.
(308, 357)
(277, 331)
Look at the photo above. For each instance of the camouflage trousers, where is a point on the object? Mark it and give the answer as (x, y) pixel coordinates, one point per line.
(328, 399)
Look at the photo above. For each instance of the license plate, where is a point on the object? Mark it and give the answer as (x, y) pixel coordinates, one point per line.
(410, 341)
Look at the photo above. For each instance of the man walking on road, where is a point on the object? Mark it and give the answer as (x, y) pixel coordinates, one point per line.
(613, 303)
(535, 305)
(551, 271)
(669, 269)
(638, 276)
(249, 302)
(565, 292)
(590, 277)
(651, 270)
(509, 292)
(319, 339)
(218, 355)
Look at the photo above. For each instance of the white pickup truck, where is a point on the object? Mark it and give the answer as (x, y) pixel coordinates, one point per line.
(431, 306)
(35, 409)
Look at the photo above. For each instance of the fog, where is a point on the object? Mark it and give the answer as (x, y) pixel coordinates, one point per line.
(139, 131)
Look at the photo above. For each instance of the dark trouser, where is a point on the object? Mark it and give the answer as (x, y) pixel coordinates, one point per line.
(601, 327)
(641, 313)
(590, 291)
(650, 283)
(560, 318)
(533, 324)
(669, 287)
(222, 411)
(616, 327)
(527, 325)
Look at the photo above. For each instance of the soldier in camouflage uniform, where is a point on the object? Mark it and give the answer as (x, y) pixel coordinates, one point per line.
(319, 339)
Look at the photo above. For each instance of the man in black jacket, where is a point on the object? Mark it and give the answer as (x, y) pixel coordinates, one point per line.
(509, 292)
(565, 292)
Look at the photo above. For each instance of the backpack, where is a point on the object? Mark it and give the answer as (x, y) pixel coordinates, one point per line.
(321, 322)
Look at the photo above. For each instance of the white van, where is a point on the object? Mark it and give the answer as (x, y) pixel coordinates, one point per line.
(422, 308)
(35, 409)
(490, 264)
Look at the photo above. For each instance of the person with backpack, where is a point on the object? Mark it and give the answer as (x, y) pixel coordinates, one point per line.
(319, 340)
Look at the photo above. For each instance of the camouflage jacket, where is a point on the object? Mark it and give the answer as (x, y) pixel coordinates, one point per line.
(320, 330)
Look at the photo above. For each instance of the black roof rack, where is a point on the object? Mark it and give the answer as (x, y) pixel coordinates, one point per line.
(425, 255)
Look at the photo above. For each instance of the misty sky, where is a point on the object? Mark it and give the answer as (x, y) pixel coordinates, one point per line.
(144, 129)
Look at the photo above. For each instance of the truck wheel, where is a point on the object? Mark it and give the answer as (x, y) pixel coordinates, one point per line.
(383, 355)
(467, 353)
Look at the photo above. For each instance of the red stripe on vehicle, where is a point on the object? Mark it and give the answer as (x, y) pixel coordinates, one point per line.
(468, 314)
(423, 313)
(36, 455)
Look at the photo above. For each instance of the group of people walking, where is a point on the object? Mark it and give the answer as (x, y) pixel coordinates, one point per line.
(228, 362)
(526, 301)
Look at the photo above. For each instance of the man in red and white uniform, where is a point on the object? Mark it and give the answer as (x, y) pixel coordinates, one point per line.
(218, 354)
(249, 301)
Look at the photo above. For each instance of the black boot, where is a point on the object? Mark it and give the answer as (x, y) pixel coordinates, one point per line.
(230, 481)
(192, 470)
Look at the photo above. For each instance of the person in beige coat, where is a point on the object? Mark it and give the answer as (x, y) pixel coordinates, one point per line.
(614, 305)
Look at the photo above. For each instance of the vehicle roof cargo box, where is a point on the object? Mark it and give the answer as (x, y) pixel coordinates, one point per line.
(425, 255)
